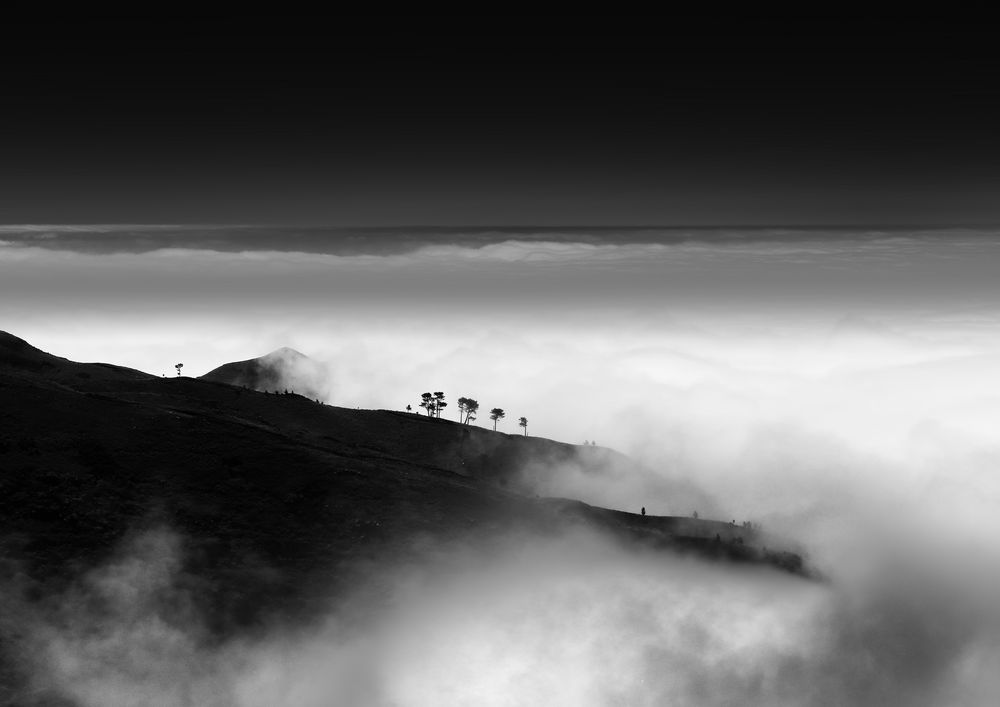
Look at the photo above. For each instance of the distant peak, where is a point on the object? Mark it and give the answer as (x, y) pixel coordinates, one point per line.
(285, 352)
(281, 369)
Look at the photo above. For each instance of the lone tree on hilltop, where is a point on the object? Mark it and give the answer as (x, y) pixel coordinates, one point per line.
(179, 366)
(496, 414)
(523, 422)
(467, 408)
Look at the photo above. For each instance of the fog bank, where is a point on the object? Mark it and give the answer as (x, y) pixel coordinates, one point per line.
(843, 393)
(568, 621)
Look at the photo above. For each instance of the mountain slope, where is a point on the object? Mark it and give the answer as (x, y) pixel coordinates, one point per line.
(279, 499)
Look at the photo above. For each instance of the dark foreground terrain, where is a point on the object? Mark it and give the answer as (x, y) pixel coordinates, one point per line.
(280, 500)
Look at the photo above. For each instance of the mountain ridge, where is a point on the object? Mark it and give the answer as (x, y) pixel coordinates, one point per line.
(280, 499)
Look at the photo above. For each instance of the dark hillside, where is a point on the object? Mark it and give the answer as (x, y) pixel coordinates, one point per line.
(278, 498)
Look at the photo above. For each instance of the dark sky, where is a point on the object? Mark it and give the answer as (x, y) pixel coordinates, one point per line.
(648, 121)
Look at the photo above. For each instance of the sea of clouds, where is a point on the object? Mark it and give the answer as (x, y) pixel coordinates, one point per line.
(843, 392)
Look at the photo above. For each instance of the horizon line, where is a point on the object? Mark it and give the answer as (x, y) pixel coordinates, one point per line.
(506, 226)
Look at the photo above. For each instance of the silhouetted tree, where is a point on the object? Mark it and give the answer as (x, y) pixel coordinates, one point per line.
(439, 403)
(496, 414)
(179, 366)
(433, 403)
(409, 408)
(523, 422)
(467, 410)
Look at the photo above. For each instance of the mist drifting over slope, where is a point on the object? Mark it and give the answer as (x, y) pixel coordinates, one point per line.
(841, 389)
(570, 621)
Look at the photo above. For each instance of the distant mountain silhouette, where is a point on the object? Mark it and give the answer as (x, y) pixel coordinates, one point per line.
(282, 369)
(280, 500)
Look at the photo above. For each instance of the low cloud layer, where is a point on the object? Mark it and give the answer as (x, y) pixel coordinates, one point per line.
(383, 241)
(843, 393)
(568, 621)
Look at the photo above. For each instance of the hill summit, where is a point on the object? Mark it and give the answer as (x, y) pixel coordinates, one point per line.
(281, 370)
